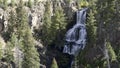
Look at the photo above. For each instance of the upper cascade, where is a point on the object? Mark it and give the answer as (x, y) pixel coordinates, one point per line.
(76, 36)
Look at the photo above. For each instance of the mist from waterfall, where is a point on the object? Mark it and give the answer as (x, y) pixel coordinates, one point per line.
(76, 36)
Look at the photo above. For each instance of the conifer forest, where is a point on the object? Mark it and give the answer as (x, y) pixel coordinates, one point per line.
(59, 33)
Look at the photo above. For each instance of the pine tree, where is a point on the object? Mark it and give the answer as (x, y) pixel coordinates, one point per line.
(12, 3)
(54, 64)
(46, 37)
(5, 4)
(10, 45)
(11, 52)
(21, 19)
(31, 56)
(12, 25)
(30, 3)
(91, 24)
(1, 1)
(58, 25)
(12, 40)
(111, 52)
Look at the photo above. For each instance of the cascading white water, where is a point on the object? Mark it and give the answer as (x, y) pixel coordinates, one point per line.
(76, 36)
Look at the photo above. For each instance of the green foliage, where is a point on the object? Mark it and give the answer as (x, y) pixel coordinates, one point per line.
(53, 28)
(106, 16)
(82, 3)
(21, 20)
(10, 50)
(91, 24)
(58, 24)
(8, 53)
(54, 64)
(12, 3)
(31, 56)
(111, 52)
(5, 4)
(30, 3)
(35, 2)
(118, 56)
(68, 1)
(46, 34)
(12, 25)
(1, 1)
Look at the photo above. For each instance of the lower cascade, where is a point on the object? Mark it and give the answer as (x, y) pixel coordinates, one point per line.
(76, 36)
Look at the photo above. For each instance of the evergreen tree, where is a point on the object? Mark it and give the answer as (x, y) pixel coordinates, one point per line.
(10, 37)
(10, 45)
(111, 52)
(5, 4)
(30, 3)
(31, 56)
(12, 3)
(1, 1)
(54, 64)
(82, 3)
(58, 25)
(21, 19)
(46, 37)
(12, 25)
(12, 40)
(91, 24)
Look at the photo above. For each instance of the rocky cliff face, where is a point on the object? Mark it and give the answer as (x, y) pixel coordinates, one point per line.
(35, 14)
(35, 17)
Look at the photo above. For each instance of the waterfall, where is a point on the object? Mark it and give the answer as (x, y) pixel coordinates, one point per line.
(76, 36)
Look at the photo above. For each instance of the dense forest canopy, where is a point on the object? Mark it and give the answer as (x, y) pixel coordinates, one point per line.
(32, 33)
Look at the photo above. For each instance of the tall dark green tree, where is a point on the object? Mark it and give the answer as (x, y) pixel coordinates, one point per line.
(12, 25)
(111, 52)
(58, 23)
(5, 4)
(46, 34)
(1, 2)
(92, 23)
(54, 64)
(30, 3)
(31, 56)
(10, 45)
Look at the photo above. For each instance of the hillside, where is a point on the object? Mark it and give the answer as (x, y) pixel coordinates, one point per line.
(59, 34)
